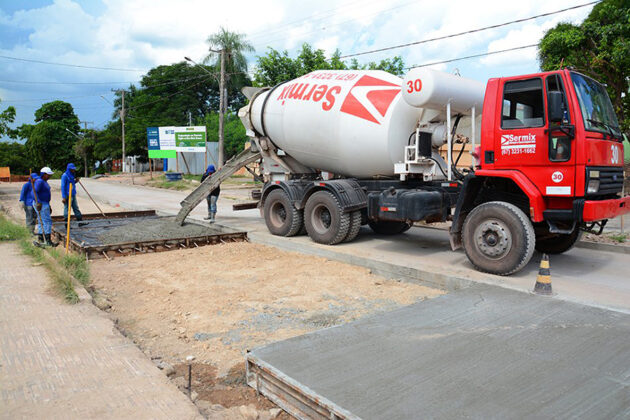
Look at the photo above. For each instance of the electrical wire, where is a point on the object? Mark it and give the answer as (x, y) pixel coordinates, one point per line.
(485, 28)
(67, 65)
(470, 56)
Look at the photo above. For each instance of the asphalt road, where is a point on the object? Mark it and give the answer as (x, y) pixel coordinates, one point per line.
(595, 278)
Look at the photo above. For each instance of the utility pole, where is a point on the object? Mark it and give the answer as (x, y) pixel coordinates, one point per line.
(122, 120)
(221, 107)
(85, 169)
(222, 99)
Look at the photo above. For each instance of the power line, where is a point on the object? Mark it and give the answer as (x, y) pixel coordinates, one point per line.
(68, 65)
(468, 32)
(31, 82)
(472, 56)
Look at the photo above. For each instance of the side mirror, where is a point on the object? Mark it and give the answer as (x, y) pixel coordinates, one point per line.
(555, 101)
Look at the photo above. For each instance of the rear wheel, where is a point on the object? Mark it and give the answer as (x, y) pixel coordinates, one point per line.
(281, 217)
(558, 243)
(325, 222)
(498, 238)
(385, 227)
(355, 226)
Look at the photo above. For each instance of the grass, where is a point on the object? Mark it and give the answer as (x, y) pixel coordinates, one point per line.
(161, 182)
(61, 267)
(620, 237)
(9, 231)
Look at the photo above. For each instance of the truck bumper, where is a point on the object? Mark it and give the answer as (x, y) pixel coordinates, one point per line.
(605, 209)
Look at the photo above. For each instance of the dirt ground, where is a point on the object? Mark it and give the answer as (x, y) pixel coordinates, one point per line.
(216, 302)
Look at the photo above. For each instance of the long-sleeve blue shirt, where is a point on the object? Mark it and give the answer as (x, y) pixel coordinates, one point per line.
(66, 180)
(42, 189)
(26, 195)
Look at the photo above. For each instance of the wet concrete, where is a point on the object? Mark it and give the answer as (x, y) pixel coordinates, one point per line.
(482, 352)
(137, 229)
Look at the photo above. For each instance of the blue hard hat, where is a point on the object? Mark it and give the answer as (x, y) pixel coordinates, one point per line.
(70, 166)
(210, 169)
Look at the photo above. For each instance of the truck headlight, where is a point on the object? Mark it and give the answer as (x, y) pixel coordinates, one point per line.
(593, 186)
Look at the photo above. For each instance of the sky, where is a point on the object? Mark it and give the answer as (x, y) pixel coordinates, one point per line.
(133, 36)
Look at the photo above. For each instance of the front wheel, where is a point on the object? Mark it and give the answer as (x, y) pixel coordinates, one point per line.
(498, 238)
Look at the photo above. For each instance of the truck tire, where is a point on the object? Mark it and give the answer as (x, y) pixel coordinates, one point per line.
(558, 243)
(385, 227)
(325, 222)
(498, 238)
(355, 226)
(281, 217)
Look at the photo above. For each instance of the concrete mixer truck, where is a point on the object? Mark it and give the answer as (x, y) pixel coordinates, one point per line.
(342, 149)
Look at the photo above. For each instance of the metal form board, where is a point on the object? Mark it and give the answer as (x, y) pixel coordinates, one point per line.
(129, 233)
(481, 352)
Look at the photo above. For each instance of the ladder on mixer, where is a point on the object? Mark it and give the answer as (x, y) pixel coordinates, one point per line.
(201, 192)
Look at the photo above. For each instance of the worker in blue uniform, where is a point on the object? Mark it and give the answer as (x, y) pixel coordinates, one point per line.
(26, 198)
(42, 206)
(70, 177)
(213, 196)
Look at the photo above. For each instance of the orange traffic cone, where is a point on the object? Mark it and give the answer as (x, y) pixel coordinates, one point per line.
(543, 281)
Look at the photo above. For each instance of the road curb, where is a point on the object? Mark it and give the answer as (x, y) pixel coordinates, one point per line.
(598, 246)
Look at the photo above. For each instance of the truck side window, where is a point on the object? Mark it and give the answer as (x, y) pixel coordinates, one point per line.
(559, 146)
(523, 104)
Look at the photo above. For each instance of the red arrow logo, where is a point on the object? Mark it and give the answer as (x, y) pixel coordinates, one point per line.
(370, 99)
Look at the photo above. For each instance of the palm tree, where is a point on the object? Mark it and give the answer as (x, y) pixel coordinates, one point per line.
(227, 55)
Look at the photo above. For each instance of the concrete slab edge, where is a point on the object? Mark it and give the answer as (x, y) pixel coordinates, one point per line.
(336, 410)
(392, 271)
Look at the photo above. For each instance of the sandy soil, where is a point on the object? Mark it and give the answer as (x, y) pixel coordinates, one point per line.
(216, 302)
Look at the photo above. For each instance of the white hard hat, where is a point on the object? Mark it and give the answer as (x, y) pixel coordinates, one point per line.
(46, 170)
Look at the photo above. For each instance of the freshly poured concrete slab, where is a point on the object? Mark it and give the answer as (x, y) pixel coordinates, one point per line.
(482, 352)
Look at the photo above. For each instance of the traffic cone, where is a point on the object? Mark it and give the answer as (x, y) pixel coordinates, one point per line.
(543, 281)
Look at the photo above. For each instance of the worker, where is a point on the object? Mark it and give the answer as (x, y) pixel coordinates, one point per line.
(26, 198)
(42, 206)
(70, 177)
(213, 196)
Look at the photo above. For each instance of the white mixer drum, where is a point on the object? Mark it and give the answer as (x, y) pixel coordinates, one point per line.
(349, 122)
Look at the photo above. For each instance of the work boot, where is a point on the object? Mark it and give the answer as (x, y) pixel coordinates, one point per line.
(208, 217)
(40, 238)
(49, 242)
(212, 217)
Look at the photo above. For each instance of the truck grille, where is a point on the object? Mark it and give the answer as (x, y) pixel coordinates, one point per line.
(610, 180)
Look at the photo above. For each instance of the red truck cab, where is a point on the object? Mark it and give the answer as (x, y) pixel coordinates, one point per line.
(550, 146)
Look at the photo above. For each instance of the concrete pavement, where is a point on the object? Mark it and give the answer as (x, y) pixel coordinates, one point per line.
(60, 361)
(478, 353)
(586, 276)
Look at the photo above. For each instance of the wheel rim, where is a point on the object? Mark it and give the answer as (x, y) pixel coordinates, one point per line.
(321, 219)
(278, 214)
(493, 239)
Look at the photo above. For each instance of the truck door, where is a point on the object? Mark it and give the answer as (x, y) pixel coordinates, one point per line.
(560, 180)
(525, 141)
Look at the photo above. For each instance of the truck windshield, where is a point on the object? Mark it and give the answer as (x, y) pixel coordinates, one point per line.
(597, 110)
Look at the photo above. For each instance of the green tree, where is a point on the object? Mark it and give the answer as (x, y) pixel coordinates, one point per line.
(15, 157)
(598, 47)
(7, 117)
(276, 67)
(48, 143)
(235, 137)
(165, 97)
(234, 46)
